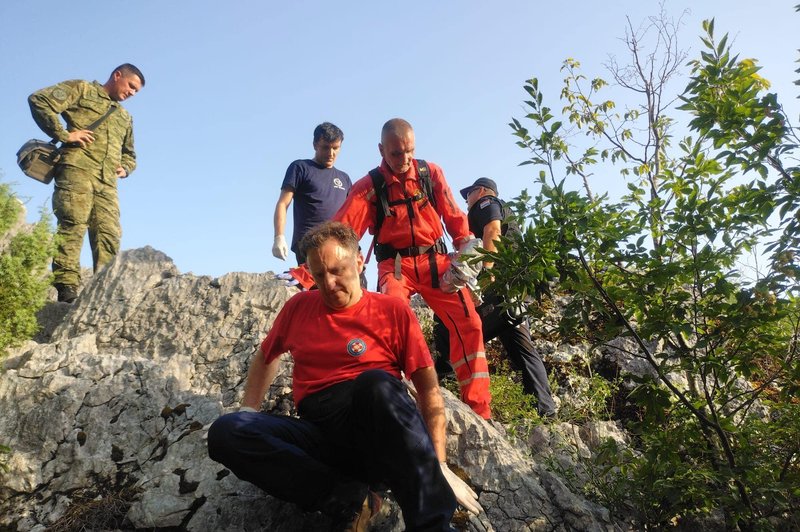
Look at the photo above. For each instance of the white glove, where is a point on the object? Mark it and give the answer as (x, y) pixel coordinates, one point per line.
(468, 268)
(289, 280)
(470, 247)
(279, 248)
(465, 496)
(247, 409)
(452, 281)
(462, 271)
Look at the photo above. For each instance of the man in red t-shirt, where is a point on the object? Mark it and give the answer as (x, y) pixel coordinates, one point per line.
(358, 426)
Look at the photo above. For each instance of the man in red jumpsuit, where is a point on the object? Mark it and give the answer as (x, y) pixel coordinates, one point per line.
(411, 253)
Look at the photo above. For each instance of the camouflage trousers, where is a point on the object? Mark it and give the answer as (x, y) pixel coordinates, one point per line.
(80, 202)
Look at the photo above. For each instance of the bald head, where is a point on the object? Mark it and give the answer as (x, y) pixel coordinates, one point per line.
(396, 127)
(397, 146)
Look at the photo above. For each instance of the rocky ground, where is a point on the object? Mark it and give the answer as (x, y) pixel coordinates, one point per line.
(106, 415)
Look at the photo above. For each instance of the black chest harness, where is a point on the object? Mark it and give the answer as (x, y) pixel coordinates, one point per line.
(383, 210)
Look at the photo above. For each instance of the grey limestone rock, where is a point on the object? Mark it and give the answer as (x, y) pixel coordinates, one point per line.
(107, 418)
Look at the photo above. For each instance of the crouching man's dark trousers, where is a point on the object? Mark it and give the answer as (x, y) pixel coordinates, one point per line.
(362, 432)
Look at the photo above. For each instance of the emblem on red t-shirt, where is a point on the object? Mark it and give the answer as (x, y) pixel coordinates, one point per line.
(356, 347)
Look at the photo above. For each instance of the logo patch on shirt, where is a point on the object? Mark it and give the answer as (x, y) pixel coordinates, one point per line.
(337, 183)
(356, 347)
(485, 203)
(59, 94)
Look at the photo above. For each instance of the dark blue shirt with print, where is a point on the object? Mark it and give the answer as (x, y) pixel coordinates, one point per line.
(318, 194)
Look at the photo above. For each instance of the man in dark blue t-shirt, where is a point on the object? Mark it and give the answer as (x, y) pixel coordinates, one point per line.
(317, 187)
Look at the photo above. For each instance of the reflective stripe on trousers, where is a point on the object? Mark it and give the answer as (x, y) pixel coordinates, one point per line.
(459, 315)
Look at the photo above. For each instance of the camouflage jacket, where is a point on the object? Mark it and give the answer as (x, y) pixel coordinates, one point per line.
(81, 103)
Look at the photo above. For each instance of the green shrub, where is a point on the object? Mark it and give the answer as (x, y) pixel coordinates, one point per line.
(510, 405)
(593, 400)
(661, 267)
(24, 276)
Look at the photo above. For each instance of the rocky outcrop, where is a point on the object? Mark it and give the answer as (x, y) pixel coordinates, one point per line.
(107, 417)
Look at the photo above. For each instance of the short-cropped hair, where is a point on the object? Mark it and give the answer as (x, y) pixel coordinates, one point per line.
(127, 68)
(327, 132)
(319, 234)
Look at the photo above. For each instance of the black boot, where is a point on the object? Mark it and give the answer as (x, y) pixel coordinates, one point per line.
(443, 368)
(345, 506)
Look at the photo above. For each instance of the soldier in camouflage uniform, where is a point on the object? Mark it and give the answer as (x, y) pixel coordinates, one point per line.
(85, 194)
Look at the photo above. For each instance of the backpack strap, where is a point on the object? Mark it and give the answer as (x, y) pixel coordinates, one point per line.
(509, 221)
(382, 200)
(425, 181)
(381, 207)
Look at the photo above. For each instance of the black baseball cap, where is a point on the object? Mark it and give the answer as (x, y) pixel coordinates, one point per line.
(480, 182)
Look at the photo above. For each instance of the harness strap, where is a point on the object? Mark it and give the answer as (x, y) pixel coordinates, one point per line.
(385, 251)
(434, 270)
(379, 186)
(382, 204)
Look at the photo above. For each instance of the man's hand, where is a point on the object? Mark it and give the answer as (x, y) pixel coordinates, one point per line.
(279, 248)
(81, 136)
(452, 281)
(470, 247)
(465, 496)
(289, 280)
(463, 269)
(259, 378)
(121, 172)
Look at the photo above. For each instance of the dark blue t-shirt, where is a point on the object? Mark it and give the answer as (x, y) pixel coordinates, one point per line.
(318, 194)
(486, 209)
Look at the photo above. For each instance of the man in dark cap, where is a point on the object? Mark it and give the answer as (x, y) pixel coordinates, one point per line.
(488, 218)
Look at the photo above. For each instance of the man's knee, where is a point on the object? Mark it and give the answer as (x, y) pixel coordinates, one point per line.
(71, 207)
(222, 434)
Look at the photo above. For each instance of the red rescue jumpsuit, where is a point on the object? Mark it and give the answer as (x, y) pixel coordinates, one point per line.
(420, 225)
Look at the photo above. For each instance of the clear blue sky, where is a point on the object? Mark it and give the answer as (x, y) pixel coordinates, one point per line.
(234, 90)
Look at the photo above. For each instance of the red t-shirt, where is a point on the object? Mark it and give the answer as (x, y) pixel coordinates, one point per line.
(331, 346)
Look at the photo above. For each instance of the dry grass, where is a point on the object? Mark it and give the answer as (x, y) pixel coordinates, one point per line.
(99, 513)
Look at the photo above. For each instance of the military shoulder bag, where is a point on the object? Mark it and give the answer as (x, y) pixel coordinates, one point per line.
(38, 159)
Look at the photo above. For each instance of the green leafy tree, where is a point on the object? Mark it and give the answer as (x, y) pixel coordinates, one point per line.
(718, 429)
(25, 256)
(24, 276)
